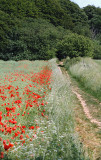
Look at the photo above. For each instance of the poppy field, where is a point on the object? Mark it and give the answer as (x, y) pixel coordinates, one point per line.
(36, 121)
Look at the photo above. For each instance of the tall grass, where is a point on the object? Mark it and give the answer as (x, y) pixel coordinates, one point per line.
(65, 141)
(88, 73)
(55, 138)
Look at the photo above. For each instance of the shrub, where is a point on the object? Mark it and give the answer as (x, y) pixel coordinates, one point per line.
(74, 45)
(69, 62)
(97, 50)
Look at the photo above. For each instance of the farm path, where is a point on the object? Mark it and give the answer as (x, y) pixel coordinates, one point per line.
(85, 109)
(82, 101)
(87, 117)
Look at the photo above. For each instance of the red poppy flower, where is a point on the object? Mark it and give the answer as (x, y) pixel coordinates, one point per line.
(23, 126)
(1, 155)
(21, 136)
(42, 114)
(6, 147)
(32, 127)
(0, 117)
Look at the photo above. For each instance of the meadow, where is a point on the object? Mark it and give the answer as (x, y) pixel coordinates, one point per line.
(36, 113)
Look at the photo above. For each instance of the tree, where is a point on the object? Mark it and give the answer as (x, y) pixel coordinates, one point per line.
(74, 45)
(94, 17)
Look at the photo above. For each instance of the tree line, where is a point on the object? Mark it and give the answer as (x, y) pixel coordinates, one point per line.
(43, 29)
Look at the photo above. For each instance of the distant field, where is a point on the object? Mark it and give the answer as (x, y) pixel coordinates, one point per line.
(88, 73)
(36, 113)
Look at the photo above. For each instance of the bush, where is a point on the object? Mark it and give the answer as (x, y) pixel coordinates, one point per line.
(69, 62)
(74, 45)
(97, 50)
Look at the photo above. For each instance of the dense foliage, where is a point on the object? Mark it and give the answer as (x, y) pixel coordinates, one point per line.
(94, 19)
(74, 45)
(34, 29)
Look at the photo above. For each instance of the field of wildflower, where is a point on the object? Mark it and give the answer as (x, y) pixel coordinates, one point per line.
(36, 113)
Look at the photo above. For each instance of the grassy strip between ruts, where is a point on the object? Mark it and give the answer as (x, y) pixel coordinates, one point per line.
(54, 137)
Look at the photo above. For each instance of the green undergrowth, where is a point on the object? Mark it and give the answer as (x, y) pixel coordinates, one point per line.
(87, 72)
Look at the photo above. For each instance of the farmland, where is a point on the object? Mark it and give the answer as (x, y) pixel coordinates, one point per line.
(36, 112)
(50, 80)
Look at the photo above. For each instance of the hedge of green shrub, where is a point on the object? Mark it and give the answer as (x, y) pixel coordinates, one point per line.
(74, 45)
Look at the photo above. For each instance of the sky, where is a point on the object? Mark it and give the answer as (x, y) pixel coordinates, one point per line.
(83, 3)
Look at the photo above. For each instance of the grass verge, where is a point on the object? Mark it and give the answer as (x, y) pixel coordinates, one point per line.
(87, 73)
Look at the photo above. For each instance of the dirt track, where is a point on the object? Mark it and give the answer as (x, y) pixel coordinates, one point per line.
(83, 103)
(86, 110)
